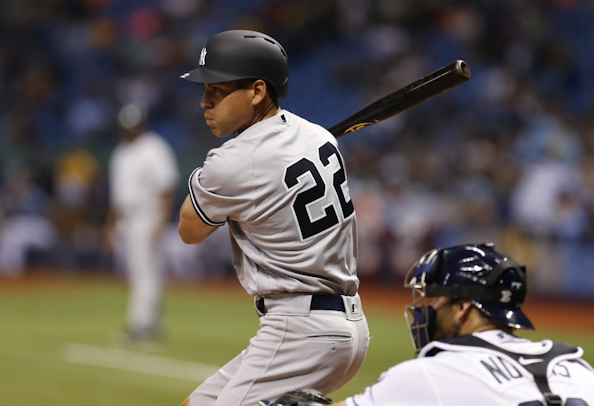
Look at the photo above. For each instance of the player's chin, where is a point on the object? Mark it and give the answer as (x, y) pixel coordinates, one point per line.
(216, 131)
(220, 132)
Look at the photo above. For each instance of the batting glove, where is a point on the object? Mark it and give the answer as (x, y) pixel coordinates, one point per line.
(302, 397)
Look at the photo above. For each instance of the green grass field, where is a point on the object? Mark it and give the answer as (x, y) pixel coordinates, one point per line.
(59, 344)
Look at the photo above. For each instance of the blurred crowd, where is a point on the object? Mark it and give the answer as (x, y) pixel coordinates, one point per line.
(506, 157)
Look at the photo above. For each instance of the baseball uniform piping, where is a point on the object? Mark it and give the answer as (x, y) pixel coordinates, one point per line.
(197, 208)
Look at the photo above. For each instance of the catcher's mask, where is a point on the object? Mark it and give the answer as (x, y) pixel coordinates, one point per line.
(490, 280)
(242, 54)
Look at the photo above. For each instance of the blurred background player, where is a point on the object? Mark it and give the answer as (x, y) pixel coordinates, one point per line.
(468, 354)
(281, 187)
(143, 176)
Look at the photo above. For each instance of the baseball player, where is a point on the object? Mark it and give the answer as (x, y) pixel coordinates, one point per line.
(281, 187)
(143, 176)
(468, 354)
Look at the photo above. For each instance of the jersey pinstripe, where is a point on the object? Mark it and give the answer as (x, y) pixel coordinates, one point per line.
(281, 186)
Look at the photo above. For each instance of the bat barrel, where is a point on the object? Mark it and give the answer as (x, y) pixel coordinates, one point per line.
(425, 88)
(463, 68)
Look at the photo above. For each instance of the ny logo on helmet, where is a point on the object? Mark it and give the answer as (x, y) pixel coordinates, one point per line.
(202, 57)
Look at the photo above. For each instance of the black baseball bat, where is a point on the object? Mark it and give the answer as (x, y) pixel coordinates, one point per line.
(434, 84)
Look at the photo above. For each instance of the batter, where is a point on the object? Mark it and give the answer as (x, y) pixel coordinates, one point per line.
(281, 186)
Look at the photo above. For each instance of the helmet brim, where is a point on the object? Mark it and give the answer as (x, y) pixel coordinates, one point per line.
(204, 75)
(513, 318)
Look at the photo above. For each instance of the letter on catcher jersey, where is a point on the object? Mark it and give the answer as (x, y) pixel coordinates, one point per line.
(460, 375)
(281, 186)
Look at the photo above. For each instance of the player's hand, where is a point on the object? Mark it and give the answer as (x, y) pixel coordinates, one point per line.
(301, 397)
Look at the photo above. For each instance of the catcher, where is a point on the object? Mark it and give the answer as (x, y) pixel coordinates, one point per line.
(467, 352)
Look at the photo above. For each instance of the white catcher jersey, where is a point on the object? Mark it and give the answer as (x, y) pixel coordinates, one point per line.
(463, 375)
(281, 186)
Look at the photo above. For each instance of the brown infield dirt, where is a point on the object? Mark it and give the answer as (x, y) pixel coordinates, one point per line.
(557, 313)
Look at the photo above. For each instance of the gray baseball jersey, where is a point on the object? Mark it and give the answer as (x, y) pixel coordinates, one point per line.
(281, 186)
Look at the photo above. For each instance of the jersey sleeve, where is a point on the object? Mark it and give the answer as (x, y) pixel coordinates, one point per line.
(404, 384)
(222, 188)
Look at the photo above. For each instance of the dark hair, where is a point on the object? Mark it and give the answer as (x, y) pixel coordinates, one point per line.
(245, 83)
(484, 318)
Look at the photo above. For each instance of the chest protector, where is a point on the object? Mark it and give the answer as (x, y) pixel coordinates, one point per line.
(538, 367)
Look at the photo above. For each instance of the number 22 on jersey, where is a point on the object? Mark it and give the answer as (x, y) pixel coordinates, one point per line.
(294, 174)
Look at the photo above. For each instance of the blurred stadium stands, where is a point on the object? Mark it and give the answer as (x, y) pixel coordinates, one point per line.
(507, 157)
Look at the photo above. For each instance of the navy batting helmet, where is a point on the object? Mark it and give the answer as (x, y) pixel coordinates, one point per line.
(242, 54)
(490, 280)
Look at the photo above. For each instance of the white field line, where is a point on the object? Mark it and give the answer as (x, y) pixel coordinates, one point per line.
(131, 361)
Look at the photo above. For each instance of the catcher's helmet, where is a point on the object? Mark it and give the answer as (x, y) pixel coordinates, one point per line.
(242, 54)
(490, 280)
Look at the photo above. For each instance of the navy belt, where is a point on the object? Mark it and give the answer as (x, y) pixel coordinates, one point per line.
(327, 302)
(318, 302)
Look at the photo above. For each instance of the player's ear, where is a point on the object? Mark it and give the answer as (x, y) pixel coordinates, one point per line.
(462, 308)
(260, 90)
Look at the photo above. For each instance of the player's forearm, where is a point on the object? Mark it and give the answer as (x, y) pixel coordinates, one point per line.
(191, 228)
(166, 202)
(110, 220)
(111, 217)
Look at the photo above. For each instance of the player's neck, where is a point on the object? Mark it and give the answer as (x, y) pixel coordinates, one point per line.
(269, 109)
(133, 135)
(474, 323)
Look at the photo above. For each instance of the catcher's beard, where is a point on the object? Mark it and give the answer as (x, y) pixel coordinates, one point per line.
(447, 326)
